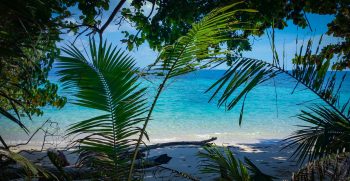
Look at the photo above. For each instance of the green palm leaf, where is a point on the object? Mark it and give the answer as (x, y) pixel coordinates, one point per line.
(241, 77)
(311, 71)
(223, 162)
(329, 133)
(104, 80)
(256, 173)
(193, 51)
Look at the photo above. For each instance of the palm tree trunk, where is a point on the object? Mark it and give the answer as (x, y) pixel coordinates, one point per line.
(160, 88)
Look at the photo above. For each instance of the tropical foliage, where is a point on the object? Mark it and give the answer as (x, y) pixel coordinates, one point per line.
(310, 70)
(27, 51)
(173, 19)
(106, 81)
(246, 73)
(192, 52)
(328, 134)
(200, 36)
(223, 161)
(329, 130)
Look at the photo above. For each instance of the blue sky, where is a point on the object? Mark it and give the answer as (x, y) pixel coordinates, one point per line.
(285, 40)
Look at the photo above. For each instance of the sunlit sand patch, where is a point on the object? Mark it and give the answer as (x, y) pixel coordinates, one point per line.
(280, 158)
(248, 149)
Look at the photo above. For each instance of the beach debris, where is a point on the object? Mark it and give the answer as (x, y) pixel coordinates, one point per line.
(178, 143)
(153, 161)
(57, 158)
(163, 159)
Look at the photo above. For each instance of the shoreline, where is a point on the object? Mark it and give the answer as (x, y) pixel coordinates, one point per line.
(61, 142)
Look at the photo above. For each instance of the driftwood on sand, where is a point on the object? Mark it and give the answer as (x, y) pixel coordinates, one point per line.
(77, 173)
(177, 143)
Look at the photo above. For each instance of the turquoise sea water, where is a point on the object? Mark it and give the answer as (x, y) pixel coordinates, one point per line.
(183, 112)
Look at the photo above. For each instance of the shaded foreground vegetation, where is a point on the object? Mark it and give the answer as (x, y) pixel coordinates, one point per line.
(105, 78)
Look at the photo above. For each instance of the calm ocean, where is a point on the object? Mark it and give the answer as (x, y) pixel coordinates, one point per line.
(183, 112)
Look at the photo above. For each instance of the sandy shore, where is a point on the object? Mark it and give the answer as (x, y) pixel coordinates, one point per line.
(267, 155)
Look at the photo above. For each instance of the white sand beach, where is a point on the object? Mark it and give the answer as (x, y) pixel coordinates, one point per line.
(267, 155)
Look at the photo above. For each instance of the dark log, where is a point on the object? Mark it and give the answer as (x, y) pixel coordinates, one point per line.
(152, 161)
(177, 143)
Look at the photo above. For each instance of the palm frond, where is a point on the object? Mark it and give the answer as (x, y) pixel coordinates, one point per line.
(329, 133)
(105, 80)
(241, 77)
(311, 71)
(189, 52)
(223, 162)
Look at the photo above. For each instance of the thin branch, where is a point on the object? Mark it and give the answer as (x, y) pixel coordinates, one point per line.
(31, 137)
(111, 17)
(307, 21)
(79, 34)
(104, 26)
(93, 27)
